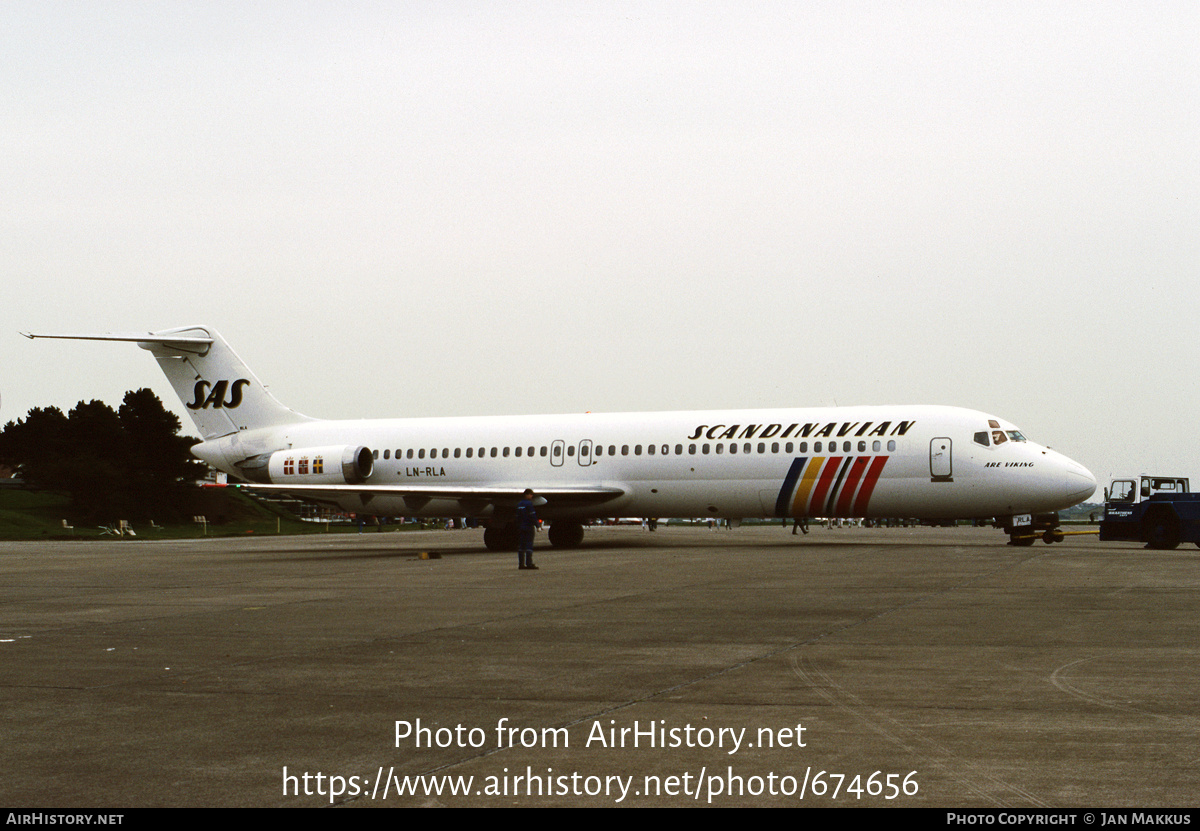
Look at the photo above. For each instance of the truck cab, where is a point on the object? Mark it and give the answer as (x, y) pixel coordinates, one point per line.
(1160, 511)
(1129, 491)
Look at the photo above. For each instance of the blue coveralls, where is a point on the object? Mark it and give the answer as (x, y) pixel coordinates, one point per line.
(526, 523)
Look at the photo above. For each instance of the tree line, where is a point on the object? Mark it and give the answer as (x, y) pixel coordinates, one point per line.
(129, 463)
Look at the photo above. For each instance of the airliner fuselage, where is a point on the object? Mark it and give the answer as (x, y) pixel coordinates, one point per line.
(926, 462)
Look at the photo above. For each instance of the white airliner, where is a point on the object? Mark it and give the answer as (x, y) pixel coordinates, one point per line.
(927, 462)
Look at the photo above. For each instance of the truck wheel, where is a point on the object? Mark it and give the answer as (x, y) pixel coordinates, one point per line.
(1162, 532)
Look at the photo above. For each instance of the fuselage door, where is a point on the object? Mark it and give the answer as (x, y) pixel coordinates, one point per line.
(941, 467)
(585, 452)
(556, 453)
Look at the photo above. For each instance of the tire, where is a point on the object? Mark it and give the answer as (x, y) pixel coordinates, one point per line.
(496, 538)
(1161, 531)
(566, 534)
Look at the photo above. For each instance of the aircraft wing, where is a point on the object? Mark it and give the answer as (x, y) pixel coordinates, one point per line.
(472, 500)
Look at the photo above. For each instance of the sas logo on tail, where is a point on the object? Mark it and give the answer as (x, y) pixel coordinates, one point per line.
(205, 399)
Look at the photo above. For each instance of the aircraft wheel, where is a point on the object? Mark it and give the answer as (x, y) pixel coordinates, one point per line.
(500, 539)
(566, 534)
(1052, 535)
(1024, 540)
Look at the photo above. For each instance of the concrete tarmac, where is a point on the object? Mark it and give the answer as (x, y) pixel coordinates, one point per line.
(851, 667)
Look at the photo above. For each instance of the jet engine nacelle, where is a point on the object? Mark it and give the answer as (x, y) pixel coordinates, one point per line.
(337, 464)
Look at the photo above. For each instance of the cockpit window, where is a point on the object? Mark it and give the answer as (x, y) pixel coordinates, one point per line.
(982, 438)
(1015, 435)
(998, 437)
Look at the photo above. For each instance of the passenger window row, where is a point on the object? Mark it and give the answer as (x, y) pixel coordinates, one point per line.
(600, 450)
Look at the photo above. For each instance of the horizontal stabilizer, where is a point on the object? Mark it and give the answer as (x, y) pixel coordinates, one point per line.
(181, 342)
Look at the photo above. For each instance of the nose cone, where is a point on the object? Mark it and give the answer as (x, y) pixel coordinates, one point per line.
(1076, 483)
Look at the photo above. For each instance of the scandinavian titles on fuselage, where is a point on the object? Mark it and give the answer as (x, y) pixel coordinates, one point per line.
(807, 430)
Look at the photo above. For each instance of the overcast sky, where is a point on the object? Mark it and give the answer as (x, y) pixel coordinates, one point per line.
(469, 208)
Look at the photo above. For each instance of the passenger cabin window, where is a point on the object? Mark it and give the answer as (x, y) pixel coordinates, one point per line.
(892, 444)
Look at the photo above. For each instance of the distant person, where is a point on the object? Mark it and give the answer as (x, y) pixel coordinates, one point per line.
(527, 520)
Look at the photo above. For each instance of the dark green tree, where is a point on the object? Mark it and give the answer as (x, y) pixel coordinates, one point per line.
(127, 464)
(35, 444)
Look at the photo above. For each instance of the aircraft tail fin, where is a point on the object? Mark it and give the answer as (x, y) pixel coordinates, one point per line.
(219, 391)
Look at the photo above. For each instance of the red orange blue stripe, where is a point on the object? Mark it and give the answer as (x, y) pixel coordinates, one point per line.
(838, 486)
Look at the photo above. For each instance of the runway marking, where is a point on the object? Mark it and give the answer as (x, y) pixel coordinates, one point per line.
(1059, 680)
(907, 738)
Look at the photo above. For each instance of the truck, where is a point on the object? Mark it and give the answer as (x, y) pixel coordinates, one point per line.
(1160, 511)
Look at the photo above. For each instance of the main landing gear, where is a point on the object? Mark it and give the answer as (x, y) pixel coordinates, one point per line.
(563, 534)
